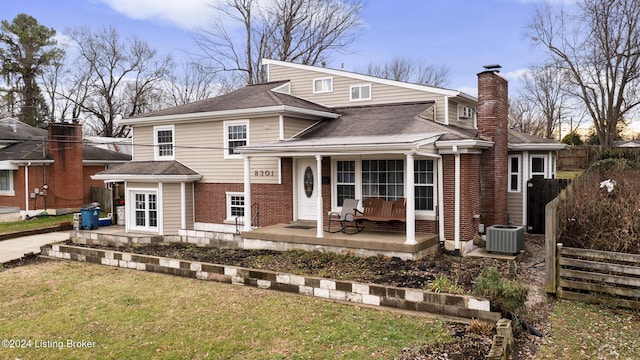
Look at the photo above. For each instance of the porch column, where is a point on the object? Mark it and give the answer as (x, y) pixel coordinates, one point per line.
(247, 194)
(411, 202)
(319, 204)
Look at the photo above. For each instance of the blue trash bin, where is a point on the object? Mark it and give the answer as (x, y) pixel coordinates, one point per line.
(90, 217)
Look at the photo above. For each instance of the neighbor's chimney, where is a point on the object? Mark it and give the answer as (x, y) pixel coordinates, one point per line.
(493, 108)
(66, 180)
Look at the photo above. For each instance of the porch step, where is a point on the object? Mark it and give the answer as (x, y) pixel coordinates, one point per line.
(304, 223)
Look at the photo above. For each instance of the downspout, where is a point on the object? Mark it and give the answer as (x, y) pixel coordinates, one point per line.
(26, 188)
(446, 110)
(281, 127)
(457, 199)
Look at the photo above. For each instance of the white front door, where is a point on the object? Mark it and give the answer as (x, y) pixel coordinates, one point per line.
(307, 183)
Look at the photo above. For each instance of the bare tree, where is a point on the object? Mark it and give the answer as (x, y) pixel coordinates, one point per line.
(524, 117)
(193, 82)
(599, 47)
(407, 70)
(546, 89)
(120, 78)
(302, 31)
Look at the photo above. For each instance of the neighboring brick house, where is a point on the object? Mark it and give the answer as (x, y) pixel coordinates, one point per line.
(48, 169)
(294, 148)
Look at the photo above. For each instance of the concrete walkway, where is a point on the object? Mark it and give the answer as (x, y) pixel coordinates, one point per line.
(13, 249)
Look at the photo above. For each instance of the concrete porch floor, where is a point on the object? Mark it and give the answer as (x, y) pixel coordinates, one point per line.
(296, 236)
(367, 242)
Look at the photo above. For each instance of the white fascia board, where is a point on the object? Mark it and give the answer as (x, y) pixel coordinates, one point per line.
(225, 114)
(8, 165)
(103, 162)
(150, 178)
(31, 162)
(538, 146)
(463, 146)
(362, 77)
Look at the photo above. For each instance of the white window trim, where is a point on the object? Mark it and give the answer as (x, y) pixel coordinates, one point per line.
(230, 218)
(11, 191)
(519, 173)
(131, 199)
(462, 115)
(420, 214)
(359, 86)
(544, 164)
(156, 145)
(429, 214)
(313, 85)
(225, 139)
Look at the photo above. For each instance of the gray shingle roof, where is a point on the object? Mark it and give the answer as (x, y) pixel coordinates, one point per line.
(248, 97)
(150, 168)
(385, 119)
(14, 129)
(98, 154)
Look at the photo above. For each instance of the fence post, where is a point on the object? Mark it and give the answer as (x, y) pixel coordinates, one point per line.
(550, 238)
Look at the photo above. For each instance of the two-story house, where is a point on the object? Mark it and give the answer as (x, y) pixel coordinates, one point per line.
(296, 147)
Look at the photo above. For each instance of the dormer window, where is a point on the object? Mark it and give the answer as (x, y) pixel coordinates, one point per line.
(360, 92)
(465, 112)
(322, 85)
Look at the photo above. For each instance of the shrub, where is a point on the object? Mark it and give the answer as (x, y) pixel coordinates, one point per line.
(443, 285)
(594, 217)
(481, 327)
(506, 295)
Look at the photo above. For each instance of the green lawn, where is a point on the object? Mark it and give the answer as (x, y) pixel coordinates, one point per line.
(33, 224)
(582, 331)
(127, 314)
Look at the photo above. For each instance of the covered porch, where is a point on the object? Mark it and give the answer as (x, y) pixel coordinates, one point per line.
(280, 237)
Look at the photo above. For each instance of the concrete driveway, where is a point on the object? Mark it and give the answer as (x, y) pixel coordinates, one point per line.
(13, 249)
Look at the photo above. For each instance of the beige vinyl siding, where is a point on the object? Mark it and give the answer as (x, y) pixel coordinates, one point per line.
(201, 147)
(142, 185)
(171, 208)
(189, 205)
(143, 143)
(293, 126)
(453, 115)
(514, 208)
(302, 86)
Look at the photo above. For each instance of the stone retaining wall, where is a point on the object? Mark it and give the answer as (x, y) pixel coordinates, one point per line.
(369, 294)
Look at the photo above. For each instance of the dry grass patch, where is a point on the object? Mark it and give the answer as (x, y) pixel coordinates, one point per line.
(130, 314)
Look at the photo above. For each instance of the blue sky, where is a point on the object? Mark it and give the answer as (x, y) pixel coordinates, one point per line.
(462, 34)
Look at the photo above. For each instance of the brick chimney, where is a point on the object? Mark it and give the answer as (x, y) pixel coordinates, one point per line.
(493, 125)
(65, 180)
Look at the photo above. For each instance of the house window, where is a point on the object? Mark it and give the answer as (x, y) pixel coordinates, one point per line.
(537, 166)
(6, 182)
(164, 142)
(360, 92)
(346, 180)
(235, 205)
(514, 173)
(383, 178)
(322, 85)
(424, 177)
(146, 210)
(465, 112)
(236, 134)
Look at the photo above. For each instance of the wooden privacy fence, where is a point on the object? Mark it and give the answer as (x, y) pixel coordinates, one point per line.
(588, 275)
(103, 196)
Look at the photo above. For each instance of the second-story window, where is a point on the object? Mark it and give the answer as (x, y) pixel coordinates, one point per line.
(164, 139)
(361, 92)
(236, 134)
(321, 85)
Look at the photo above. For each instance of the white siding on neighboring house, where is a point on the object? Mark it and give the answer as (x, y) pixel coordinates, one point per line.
(514, 208)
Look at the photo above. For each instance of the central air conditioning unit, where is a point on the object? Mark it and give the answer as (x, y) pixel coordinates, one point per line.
(505, 239)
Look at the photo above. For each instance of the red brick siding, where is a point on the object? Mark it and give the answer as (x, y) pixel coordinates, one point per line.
(274, 201)
(493, 126)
